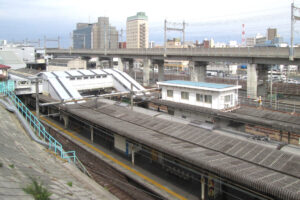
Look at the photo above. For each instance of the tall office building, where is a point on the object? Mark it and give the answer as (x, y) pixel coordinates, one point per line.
(82, 36)
(137, 32)
(271, 33)
(99, 35)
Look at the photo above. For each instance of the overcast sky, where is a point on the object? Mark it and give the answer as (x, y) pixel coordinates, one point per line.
(218, 19)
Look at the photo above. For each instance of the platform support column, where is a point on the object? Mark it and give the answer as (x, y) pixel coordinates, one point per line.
(252, 81)
(132, 154)
(120, 65)
(146, 72)
(202, 188)
(92, 134)
(66, 121)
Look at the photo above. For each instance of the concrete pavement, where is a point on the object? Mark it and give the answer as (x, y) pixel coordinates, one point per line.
(21, 159)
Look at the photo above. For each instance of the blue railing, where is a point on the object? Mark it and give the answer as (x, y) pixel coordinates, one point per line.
(7, 88)
(40, 129)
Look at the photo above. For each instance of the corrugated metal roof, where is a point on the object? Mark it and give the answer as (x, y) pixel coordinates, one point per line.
(246, 162)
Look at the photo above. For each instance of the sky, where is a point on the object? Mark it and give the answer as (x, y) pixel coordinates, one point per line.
(217, 19)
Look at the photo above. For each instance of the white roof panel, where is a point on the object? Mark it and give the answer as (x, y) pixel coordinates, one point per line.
(60, 73)
(86, 72)
(74, 73)
(98, 71)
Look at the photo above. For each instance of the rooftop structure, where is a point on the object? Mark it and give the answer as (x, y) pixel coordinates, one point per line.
(11, 59)
(67, 85)
(210, 95)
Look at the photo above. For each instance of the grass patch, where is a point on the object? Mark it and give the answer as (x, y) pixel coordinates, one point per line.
(11, 166)
(37, 190)
(70, 183)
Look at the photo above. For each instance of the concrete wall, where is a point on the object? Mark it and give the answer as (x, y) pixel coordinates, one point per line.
(77, 64)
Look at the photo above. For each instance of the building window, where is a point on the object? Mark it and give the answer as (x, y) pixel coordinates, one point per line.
(72, 78)
(86, 77)
(92, 77)
(98, 76)
(199, 97)
(207, 98)
(227, 98)
(170, 93)
(185, 95)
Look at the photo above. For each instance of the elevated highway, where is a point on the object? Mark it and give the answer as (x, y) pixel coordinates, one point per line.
(253, 55)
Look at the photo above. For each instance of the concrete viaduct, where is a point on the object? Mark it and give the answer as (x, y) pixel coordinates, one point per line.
(257, 58)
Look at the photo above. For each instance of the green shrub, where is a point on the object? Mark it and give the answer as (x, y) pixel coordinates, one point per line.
(37, 191)
(70, 183)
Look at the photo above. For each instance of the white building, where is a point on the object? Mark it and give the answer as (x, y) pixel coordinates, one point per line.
(250, 41)
(137, 32)
(209, 95)
(66, 85)
(232, 43)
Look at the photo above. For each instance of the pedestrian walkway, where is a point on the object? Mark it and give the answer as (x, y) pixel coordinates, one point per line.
(22, 160)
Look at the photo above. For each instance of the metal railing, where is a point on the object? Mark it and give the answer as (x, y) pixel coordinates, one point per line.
(7, 89)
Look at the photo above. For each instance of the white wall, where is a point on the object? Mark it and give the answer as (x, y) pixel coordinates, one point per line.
(218, 98)
(89, 84)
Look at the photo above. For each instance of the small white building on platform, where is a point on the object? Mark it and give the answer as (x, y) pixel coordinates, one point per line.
(209, 95)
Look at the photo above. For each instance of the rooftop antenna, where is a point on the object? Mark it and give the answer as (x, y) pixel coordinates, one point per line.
(243, 35)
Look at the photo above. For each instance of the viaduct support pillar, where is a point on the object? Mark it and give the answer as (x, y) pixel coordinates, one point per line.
(160, 71)
(263, 76)
(252, 81)
(197, 71)
(130, 63)
(146, 72)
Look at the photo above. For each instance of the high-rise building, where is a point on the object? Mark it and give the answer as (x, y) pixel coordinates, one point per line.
(99, 35)
(82, 36)
(137, 32)
(271, 33)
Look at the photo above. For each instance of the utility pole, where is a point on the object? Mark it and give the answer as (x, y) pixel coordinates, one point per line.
(37, 97)
(169, 26)
(183, 33)
(165, 38)
(131, 96)
(271, 85)
(293, 21)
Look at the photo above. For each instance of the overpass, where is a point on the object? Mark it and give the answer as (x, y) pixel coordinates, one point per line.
(258, 59)
(253, 55)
